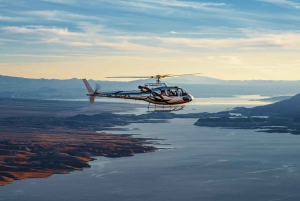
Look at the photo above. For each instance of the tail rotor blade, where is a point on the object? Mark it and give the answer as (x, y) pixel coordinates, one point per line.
(97, 88)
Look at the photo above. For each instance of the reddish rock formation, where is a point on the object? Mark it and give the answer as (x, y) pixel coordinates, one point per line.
(40, 154)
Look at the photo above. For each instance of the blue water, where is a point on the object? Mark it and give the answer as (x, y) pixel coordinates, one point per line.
(199, 163)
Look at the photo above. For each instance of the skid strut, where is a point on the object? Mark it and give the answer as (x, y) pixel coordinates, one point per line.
(162, 108)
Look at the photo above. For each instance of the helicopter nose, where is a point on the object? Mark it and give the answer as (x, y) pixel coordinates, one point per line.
(192, 97)
(188, 98)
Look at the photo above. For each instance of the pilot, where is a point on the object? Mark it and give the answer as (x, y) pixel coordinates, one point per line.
(180, 92)
(169, 92)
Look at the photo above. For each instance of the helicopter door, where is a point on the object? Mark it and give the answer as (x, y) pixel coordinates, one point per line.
(157, 93)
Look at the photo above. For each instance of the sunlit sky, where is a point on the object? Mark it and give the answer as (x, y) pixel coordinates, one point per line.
(226, 39)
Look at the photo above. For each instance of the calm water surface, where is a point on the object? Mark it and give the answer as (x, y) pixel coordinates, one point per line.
(199, 163)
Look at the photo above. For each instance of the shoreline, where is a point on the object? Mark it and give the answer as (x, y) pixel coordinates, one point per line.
(40, 138)
(40, 155)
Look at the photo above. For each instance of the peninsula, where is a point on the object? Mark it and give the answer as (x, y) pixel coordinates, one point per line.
(39, 138)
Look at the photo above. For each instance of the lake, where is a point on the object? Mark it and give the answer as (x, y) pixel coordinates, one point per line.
(196, 163)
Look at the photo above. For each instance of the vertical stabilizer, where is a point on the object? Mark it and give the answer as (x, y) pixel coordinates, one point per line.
(88, 87)
(92, 93)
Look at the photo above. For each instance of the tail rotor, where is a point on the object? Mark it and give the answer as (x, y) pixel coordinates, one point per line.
(92, 93)
(97, 88)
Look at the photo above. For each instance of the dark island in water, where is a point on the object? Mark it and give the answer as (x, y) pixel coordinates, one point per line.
(279, 117)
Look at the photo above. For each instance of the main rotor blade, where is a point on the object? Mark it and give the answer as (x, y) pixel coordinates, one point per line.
(170, 75)
(132, 77)
(155, 76)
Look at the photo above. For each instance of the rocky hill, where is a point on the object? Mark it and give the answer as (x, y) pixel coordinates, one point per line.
(289, 107)
(280, 117)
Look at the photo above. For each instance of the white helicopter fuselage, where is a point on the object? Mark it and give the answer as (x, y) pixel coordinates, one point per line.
(163, 95)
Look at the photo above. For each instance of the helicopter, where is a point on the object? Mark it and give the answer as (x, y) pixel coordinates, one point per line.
(158, 94)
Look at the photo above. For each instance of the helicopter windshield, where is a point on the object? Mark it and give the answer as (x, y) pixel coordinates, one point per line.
(181, 92)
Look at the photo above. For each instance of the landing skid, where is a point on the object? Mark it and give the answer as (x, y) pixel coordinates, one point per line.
(164, 108)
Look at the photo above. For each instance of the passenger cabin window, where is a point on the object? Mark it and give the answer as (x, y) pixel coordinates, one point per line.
(172, 92)
(163, 92)
(156, 92)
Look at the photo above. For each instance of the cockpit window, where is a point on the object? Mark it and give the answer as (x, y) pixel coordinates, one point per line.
(179, 92)
(182, 92)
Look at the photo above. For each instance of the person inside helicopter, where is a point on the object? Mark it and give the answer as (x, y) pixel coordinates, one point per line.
(172, 92)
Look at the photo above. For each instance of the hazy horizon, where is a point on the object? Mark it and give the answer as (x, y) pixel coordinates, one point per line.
(141, 79)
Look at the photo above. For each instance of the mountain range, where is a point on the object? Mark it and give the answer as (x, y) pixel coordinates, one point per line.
(285, 108)
(199, 86)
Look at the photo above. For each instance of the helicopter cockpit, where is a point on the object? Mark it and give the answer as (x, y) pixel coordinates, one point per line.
(170, 91)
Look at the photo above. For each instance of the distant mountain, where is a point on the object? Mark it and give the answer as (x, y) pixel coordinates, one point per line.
(280, 117)
(289, 107)
(193, 80)
(273, 99)
(199, 86)
(16, 87)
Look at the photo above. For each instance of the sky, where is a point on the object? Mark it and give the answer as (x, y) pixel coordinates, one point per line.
(226, 39)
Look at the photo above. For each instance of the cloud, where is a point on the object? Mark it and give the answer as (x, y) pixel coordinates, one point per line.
(95, 36)
(279, 41)
(196, 12)
(117, 44)
(134, 47)
(171, 3)
(172, 7)
(40, 30)
(283, 3)
(34, 55)
(90, 37)
(185, 4)
(58, 15)
(74, 42)
(7, 40)
(70, 2)
(97, 31)
(11, 19)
